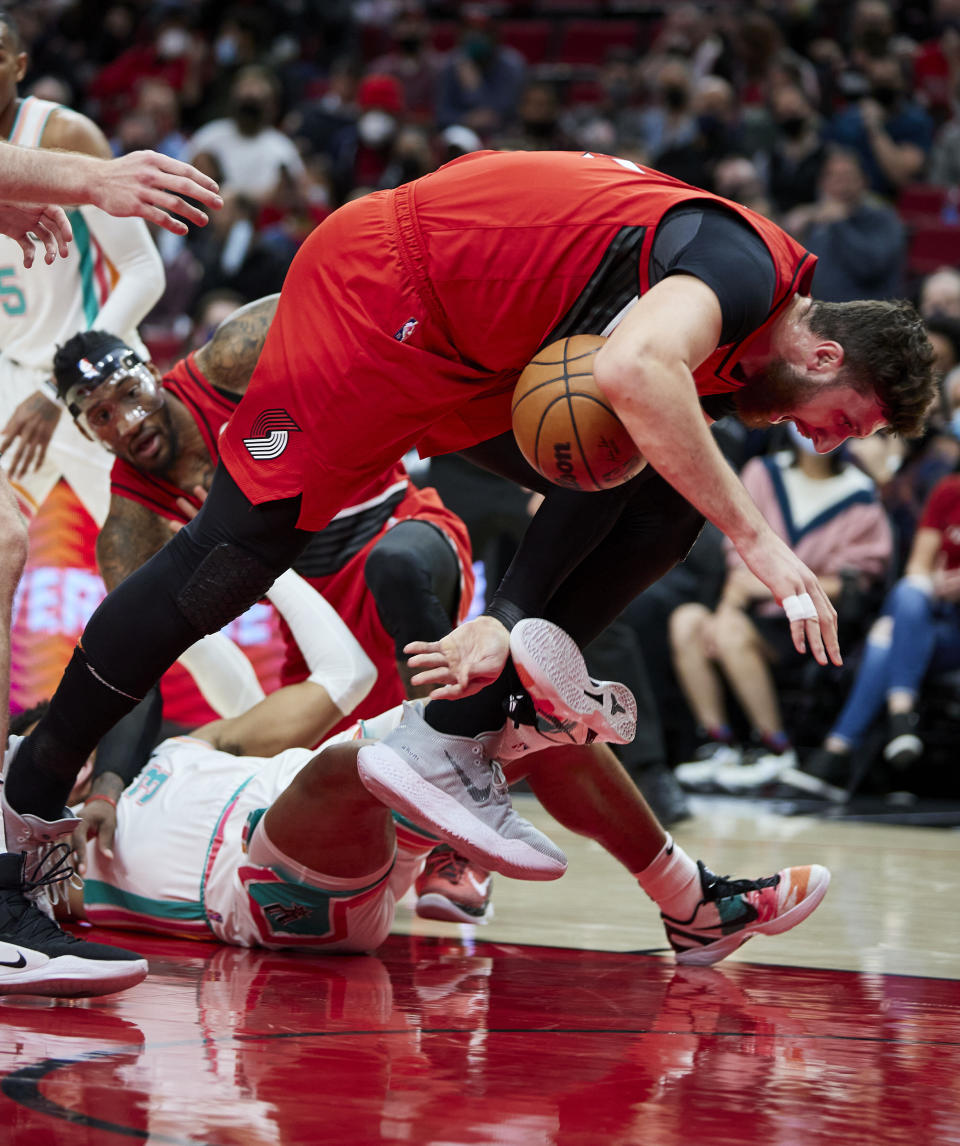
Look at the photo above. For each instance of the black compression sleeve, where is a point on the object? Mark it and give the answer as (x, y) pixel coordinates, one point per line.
(126, 748)
(719, 248)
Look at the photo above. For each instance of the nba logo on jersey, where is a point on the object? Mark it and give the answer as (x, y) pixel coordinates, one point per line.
(406, 330)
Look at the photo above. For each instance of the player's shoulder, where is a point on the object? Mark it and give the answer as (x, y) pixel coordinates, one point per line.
(71, 130)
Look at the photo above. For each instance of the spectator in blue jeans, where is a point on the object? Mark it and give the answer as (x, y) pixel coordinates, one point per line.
(918, 632)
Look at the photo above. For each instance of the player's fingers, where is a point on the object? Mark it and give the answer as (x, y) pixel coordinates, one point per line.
(186, 180)
(105, 837)
(56, 219)
(17, 459)
(29, 248)
(428, 660)
(433, 676)
(422, 647)
(175, 205)
(48, 239)
(162, 219)
(78, 842)
(446, 692)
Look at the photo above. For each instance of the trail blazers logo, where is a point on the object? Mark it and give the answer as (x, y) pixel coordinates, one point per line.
(271, 433)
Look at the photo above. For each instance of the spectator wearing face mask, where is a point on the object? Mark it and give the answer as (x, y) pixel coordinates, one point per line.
(828, 512)
(245, 146)
(481, 80)
(890, 132)
(362, 151)
(717, 135)
(859, 241)
(794, 161)
(538, 126)
(669, 122)
(413, 63)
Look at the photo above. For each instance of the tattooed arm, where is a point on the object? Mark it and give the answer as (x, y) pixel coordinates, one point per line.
(228, 359)
(130, 535)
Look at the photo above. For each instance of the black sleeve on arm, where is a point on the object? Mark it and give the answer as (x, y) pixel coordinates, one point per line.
(719, 248)
(126, 748)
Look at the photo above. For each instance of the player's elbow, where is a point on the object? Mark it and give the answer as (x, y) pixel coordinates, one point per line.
(626, 375)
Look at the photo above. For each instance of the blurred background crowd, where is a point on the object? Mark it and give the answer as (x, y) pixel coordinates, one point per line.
(839, 120)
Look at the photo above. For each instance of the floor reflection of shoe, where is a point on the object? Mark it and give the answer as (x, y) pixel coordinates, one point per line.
(662, 792)
(449, 786)
(552, 669)
(733, 910)
(36, 957)
(708, 759)
(763, 768)
(452, 888)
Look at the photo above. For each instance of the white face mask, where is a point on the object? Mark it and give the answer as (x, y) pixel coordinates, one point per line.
(376, 128)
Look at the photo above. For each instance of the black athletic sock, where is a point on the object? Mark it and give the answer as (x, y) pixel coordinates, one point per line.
(45, 768)
(485, 711)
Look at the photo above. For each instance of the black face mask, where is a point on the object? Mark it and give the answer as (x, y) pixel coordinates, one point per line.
(539, 128)
(793, 126)
(250, 114)
(674, 97)
(885, 96)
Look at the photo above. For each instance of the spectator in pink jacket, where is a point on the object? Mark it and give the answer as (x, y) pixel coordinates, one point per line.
(828, 511)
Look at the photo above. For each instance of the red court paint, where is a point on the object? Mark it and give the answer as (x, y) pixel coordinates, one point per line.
(434, 1041)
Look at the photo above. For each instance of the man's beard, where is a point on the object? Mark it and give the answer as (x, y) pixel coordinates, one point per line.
(771, 393)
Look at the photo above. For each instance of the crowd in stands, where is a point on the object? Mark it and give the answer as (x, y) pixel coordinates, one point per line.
(841, 121)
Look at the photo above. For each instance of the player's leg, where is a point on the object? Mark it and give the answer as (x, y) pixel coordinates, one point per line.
(413, 574)
(706, 917)
(13, 557)
(326, 821)
(209, 573)
(333, 849)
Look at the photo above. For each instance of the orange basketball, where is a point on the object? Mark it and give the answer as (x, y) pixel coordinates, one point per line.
(564, 425)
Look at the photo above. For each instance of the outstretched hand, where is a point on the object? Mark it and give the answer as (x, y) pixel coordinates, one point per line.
(464, 661)
(785, 575)
(47, 225)
(152, 186)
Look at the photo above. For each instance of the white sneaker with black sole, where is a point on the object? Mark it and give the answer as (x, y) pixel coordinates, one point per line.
(449, 786)
(36, 957)
(551, 668)
(709, 758)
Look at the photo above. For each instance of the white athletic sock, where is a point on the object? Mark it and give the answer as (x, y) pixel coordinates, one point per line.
(333, 655)
(672, 880)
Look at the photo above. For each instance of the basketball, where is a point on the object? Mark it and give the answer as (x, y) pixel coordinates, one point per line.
(564, 425)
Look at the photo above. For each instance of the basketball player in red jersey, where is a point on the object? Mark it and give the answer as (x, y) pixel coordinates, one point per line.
(405, 320)
(394, 564)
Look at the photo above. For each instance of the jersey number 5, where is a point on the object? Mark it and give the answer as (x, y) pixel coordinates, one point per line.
(11, 296)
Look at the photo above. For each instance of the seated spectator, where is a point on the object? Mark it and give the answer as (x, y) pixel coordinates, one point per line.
(537, 126)
(793, 163)
(481, 79)
(157, 100)
(413, 63)
(249, 152)
(316, 124)
(669, 122)
(828, 512)
(736, 177)
(232, 256)
(361, 152)
(888, 130)
(717, 136)
(917, 633)
(860, 242)
(936, 64)
(940, 294)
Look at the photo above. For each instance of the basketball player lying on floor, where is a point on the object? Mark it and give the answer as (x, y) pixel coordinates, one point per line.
(291, 850)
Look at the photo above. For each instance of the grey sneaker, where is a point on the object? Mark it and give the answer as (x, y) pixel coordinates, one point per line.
(552, 669)
(33, 837)
(447, 785)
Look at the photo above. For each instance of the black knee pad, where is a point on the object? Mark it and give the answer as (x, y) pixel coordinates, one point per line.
(225, 584)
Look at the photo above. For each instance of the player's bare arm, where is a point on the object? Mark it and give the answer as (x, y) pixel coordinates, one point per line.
(228, 359)
(146, 184)
(646, 369)
(129, 537)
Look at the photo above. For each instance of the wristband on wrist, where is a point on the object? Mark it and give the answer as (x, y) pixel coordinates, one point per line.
(505, 612)
(100, 796)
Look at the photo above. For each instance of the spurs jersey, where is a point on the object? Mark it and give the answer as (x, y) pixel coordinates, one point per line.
(42, 307)
(192, 859)
(110, 279)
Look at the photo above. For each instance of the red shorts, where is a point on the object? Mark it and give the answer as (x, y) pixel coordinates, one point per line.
(346, 590)
(356, 368)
